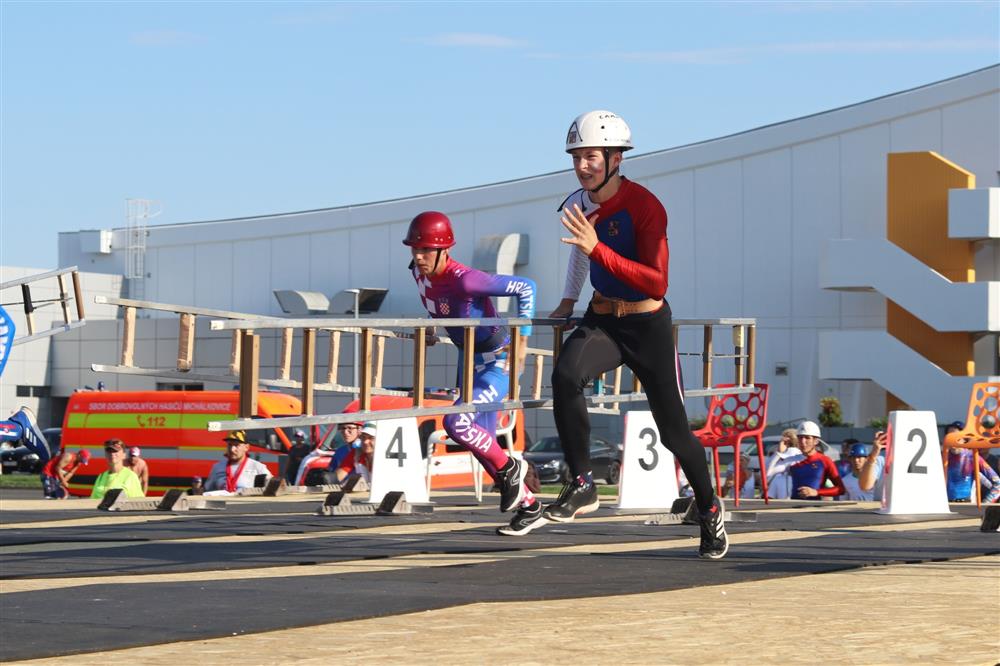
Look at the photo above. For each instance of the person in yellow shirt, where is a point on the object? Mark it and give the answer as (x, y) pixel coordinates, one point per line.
(117, 475)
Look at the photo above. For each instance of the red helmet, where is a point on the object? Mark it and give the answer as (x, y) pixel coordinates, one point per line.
(430, 229)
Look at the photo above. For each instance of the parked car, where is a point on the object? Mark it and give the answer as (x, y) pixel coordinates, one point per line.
(23, 459)
(550, 464)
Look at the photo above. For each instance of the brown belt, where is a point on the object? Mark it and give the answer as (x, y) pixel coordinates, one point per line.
(603, 305)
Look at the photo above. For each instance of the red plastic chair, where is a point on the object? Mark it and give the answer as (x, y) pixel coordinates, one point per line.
(733, 417)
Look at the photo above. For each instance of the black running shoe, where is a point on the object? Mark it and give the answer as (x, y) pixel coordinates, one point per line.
(511, 482)
(714, 541)
(575, 500)
(525, 520)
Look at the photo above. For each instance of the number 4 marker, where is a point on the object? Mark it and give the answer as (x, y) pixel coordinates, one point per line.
(397, 463)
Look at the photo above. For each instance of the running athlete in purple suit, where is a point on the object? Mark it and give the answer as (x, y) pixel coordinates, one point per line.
(449, 289)
(618, 234)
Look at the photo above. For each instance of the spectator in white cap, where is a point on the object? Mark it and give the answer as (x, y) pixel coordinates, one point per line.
(359, 461)
(135, 463)
(810, 470)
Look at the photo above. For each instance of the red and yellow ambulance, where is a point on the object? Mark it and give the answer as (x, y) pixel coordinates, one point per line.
(170, 428)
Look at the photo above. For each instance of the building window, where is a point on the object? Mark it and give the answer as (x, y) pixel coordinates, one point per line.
(167, 386)
(24, 391)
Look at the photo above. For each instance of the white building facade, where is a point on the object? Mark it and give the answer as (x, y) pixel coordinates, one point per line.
(749, 218)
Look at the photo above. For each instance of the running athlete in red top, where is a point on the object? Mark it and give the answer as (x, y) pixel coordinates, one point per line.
(618, 230)
(450, 290)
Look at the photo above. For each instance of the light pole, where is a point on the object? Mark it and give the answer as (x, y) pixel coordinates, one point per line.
(357, 336)
(370, 298)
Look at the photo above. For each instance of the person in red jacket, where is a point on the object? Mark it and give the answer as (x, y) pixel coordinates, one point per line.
(811, 470)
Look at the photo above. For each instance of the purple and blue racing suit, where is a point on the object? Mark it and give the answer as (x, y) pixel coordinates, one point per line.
(460, 291)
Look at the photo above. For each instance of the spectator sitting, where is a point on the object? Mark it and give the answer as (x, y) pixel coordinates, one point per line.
(59, 470)
(779, 483)
(197, 486)
(135, 463)
(811, 469)
(864, 481)
(359, 461)
(747, 482)
(346, 432)
(351, 434)
(117, 475)
(844, 462)
(236, 470)
(299, 450)
(960, 481)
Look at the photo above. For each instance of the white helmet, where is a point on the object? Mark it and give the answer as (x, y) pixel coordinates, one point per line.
(809, 429)
(598, 129)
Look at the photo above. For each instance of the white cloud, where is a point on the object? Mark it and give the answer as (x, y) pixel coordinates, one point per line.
(474, 39)
(165, 38)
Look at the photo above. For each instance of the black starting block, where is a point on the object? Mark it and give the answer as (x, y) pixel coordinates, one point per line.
(177, 500)
(174, 500)
(991, 519)
(352, 484)
(275, 486)
(338, 503)
(116, 500)
(685, 512)
(262, 483)
(394, 503)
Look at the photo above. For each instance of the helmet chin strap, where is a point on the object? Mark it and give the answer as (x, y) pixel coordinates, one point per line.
(608, 174)
(437, 260)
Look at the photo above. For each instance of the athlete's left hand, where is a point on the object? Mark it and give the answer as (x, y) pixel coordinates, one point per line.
(582, 228)
(806, 491)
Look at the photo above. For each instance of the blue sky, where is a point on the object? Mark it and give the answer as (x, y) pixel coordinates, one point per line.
(223, 110)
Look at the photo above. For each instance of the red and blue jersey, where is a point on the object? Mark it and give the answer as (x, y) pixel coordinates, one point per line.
(813, 471)
(630, 260)
(463, 292)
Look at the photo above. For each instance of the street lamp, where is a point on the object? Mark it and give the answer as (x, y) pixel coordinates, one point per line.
(356, 301)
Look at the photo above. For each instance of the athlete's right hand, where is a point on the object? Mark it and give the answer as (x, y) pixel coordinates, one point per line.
(564, 310)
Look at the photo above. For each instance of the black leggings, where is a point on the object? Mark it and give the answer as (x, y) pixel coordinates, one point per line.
(645, 343)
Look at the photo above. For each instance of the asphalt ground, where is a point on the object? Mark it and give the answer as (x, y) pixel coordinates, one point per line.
(76, 581)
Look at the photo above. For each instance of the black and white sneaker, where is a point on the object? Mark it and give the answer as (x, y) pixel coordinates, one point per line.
(525, 520)
(511, 481)
(714, 541)
(575, 500)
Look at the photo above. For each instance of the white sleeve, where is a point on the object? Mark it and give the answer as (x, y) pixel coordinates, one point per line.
(576, 273)
(579, 264)
(782, 464)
